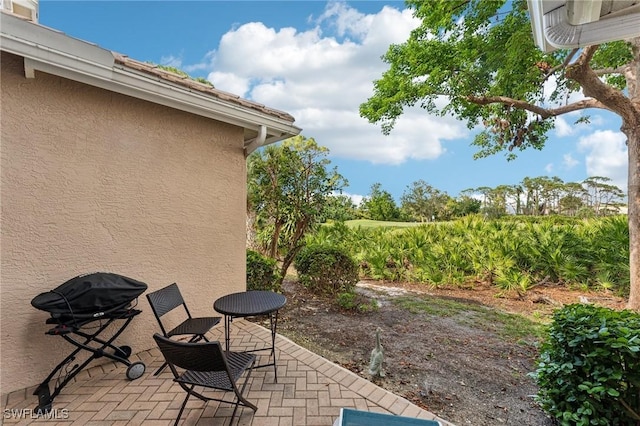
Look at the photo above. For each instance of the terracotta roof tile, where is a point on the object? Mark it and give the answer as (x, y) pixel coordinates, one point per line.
(196, 85)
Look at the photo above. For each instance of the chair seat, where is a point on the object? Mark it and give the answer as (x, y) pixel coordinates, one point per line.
(207, 365)
(198, 326)
(238, 362)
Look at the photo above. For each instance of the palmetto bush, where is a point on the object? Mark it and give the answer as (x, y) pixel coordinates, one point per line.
(512, 253)
(557, 253)
(608, 239)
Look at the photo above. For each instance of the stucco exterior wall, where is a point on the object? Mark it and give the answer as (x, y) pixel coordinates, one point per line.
(97, 181)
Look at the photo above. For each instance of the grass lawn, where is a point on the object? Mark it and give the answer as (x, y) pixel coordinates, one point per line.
(367, 223)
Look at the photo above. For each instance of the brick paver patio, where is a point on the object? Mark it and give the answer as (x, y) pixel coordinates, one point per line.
(310, 391)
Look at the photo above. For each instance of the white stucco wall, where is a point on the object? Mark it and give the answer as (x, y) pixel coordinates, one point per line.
(96, 181)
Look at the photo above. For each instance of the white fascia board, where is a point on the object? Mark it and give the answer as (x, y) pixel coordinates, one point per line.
(92, 65)
(536, 14)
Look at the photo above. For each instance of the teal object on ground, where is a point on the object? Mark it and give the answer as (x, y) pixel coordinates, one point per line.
(350, 417)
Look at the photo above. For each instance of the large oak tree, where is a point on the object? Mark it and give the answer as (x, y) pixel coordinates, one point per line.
(479, 57)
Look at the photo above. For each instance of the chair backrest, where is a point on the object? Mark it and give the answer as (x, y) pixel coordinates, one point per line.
(200, 356)
(165, 300)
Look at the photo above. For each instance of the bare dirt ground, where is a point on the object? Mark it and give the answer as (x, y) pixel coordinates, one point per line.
(456, 363)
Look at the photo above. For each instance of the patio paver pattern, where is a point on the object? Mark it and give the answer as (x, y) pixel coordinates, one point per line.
(310, 391)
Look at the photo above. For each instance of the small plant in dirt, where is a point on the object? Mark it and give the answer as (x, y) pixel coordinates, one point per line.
(326, 270)
(588, 371)
(262, 272)
(352, 301)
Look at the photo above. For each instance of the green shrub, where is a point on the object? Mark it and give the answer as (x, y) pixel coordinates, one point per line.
(262, 272)
(347, 300)
(589, 367)
(351, 301)
(327, 270)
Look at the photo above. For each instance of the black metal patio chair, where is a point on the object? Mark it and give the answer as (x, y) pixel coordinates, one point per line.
(166, 300)
(207, 365)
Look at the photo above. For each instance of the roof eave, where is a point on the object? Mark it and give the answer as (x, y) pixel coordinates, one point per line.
(55, 53)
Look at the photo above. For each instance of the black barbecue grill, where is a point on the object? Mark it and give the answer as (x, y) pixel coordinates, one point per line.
(74, 308)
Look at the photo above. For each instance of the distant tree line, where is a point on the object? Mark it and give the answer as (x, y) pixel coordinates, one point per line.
(539, 196)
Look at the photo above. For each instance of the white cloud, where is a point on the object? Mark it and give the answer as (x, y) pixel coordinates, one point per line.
(230, 82)
(569, 162)
(347, 21)
(551, 84)
(356, 198)
(563, 128)
(322, 75)
(606, 155)
(171, 61)
(597, 120)
(549, 168)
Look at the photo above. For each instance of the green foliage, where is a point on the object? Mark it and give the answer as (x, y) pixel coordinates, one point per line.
(513, 253)
(380, 205)
(589, 367)
(262, 272)
(462, 206)
(184, 74)
(203, 81)
(613, 55)
(367, 223)
(351, 301)
(288, 185)
(326, 269)
(424, 202)
(338, 208)
(173, 70)
(347, 300)
(608, 249)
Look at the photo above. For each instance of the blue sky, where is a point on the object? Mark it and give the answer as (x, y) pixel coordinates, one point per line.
(317, 60)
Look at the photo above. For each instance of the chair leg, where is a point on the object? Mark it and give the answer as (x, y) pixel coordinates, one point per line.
(159, 370)
(234, 412)
(245, 403)
(184, 404)
(240, 394)
(197, 338)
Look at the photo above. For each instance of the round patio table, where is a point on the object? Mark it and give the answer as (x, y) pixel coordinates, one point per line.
(250, 304)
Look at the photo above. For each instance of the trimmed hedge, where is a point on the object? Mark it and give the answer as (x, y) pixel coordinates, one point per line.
(262, 272)
(327, 270)
(589, 367)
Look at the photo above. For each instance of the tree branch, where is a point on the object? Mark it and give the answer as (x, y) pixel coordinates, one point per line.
(561, 66)
(632, 413)
(606, 71)
(464, 3)
(587, 54)
(542, 112)
(613, 99)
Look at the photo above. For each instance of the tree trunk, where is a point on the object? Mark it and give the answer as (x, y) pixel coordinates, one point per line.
(628, 108)
(633, 195)
(632, 130)
(252, 240)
